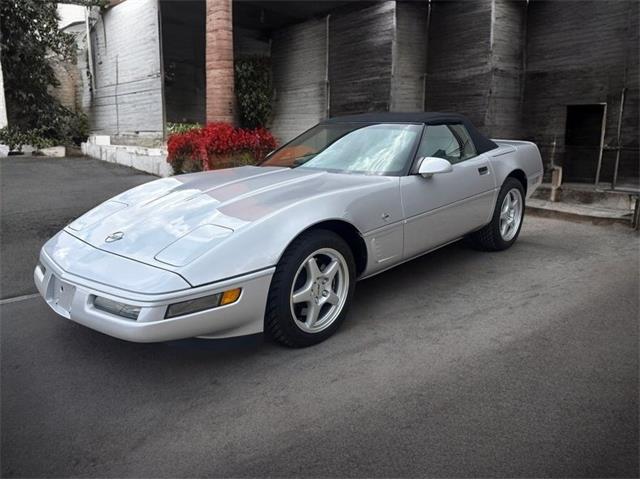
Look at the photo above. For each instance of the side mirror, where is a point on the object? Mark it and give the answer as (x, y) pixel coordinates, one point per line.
(432, 165)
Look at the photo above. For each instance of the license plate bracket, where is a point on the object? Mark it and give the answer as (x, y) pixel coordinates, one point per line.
(61, 294)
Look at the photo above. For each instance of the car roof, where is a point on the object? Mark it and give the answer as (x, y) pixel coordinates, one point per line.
(481, 142)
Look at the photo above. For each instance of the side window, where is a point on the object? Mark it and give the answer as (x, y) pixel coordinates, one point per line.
(467, 148)
(451, 142)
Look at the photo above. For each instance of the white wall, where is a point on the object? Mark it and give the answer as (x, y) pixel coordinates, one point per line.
(70, 14)
(127, 100)
(3, 105)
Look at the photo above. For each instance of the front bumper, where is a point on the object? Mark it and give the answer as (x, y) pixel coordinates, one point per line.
(72, 297)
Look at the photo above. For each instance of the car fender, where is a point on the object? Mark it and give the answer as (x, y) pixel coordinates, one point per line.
(368, 207)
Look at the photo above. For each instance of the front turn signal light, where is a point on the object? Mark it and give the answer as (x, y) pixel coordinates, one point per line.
(230, 296)
(203, 303)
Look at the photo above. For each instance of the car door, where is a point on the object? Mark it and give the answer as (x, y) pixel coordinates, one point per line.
(446, 206)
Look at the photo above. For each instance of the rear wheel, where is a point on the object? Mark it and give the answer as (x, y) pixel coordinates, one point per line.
(311, 289)
(504, 228)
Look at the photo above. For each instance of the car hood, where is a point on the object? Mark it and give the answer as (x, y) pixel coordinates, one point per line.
(170, 222)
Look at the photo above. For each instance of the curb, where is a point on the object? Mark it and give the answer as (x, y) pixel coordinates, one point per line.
(576, 217)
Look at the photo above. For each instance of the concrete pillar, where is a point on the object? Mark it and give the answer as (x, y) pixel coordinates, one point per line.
(219, 61)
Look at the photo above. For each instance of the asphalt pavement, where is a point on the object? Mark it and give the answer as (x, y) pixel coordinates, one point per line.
(39, 196)
(457, 364)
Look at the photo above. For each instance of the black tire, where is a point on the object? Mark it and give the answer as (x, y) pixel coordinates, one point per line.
(489, 238)
(280, 324)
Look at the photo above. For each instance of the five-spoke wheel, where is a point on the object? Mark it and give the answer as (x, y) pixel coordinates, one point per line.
(511, 214)
(311, 289)
(505, 224)
(319, 290)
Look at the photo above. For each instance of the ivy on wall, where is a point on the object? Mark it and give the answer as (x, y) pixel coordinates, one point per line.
(254, 91)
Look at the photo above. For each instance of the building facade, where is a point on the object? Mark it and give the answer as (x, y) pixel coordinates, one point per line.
(563, 74)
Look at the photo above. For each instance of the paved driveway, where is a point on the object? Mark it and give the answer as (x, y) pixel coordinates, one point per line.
(39, 196)
(460, 363)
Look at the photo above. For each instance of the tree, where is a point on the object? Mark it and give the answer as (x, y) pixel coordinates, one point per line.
(29, 35)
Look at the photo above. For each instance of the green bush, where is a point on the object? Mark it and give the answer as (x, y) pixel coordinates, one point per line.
(16, 138)
(74, 129)
(181, 127)
(61, 128)
(254, 91)
(64, 127)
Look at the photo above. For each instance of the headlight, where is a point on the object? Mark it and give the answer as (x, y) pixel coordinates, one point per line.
(203, 303)
(116, 308)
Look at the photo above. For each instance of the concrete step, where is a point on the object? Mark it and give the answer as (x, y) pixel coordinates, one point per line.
(586, 194)
(593, 213)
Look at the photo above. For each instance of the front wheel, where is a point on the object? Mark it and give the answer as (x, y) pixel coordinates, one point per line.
(311, 289)
(504, 228)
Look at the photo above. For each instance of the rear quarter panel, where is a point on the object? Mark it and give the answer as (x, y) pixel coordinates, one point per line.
(514, 155)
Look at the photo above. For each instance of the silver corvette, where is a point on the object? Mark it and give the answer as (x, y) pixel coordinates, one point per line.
(279, 247)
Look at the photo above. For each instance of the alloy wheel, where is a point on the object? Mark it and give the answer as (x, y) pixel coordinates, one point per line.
(511, 214)
(319, 291)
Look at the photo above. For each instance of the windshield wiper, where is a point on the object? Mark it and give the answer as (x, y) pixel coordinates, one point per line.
(302, 160)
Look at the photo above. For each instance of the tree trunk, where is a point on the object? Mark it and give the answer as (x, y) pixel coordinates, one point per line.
(219, 61)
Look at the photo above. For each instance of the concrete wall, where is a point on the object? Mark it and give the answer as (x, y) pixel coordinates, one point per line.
(360, 44)
(69, 14)
(299, 59)
(360, 57)
(127, 100)
(459, 67)
(512, 66)
(476, 62)
(152, 160)
(583, 54)
(410, 57)
(503, 118)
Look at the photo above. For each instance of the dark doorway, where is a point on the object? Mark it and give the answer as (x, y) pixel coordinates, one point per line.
(582, 142)
(183, 55)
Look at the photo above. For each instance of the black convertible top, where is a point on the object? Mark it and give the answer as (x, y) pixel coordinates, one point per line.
(482, 143)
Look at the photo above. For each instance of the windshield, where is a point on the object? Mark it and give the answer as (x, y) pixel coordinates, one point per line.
(382, 149)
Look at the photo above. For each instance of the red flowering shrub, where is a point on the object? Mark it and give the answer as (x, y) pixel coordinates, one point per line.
(218, 145)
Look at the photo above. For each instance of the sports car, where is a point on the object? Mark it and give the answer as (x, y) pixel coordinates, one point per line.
(279, 247)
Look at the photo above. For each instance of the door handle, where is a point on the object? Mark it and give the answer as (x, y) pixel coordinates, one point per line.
(483, 170)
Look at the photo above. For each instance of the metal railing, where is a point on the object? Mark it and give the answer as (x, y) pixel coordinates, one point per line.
(631, 189)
